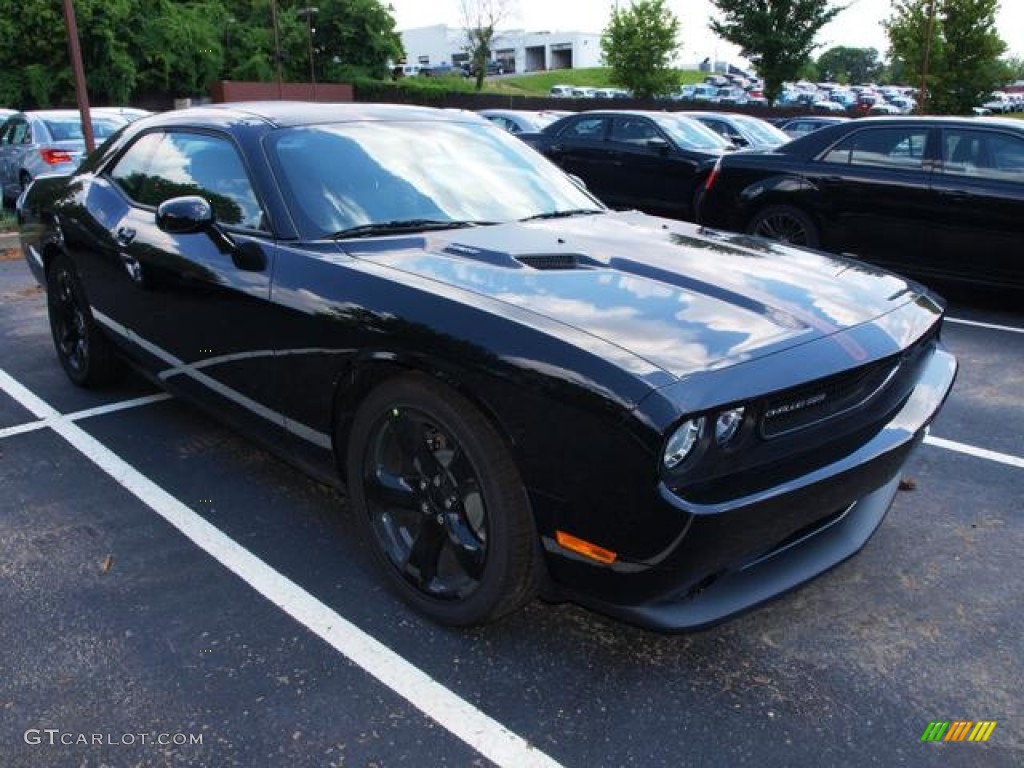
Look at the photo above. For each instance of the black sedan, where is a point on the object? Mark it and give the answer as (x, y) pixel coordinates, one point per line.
(652, 161)
(524, 393)
(939, 198)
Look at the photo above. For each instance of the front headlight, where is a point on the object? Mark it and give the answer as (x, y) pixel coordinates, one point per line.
(728, 424)
(682, 442)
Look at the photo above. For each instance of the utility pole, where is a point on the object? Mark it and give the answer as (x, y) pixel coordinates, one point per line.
(923, 103)
(277, 47)
(81, 91)
(309, 12)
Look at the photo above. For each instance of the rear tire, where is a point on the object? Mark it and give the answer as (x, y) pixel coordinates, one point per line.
(439, 499)
(785, 224)
(84, 352)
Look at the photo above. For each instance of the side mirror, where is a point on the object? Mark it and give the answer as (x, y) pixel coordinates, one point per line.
(739, 142)
(185, 215)
(191, 215)
(659, 145)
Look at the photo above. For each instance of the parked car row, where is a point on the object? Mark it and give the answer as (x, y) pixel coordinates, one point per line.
(587, 92)
(1001, 102)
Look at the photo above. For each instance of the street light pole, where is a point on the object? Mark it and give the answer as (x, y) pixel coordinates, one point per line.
(308, 12)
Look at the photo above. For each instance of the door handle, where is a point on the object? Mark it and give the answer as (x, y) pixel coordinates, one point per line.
(955, 194)
(124, 235)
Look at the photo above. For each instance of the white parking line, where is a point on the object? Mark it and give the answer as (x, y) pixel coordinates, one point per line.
(990, 326)
(484, 734)
(970, 450)
(99, 410)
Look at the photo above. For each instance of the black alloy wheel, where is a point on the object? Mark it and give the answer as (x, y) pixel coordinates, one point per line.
(439, 498)
(785, 224)
(83, 351)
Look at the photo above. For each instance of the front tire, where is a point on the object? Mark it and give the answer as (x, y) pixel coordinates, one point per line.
(440, 501)
(785, 224)
(82, 349)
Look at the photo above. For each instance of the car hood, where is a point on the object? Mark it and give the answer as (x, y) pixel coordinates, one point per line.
(682, 298)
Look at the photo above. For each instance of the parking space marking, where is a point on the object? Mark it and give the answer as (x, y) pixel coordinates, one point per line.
(481, 732)
(970, 450)
(99, 410)
(990, 326)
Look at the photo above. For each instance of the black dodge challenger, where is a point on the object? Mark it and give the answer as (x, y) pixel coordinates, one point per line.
(523, 392)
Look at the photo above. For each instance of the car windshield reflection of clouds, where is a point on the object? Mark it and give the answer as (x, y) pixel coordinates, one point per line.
(353, 174)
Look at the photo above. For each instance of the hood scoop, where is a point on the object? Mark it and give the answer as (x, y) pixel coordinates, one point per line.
(556, 261)
(544, 261)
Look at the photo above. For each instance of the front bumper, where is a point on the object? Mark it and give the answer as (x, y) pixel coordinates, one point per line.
(734, 555)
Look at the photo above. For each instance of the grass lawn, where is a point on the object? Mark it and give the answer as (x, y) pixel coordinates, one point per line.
(539, 83)
(8, 221)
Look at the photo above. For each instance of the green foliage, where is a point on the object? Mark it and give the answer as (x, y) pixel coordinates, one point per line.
(8, 221)
(1013, 68)
(177, 48)
(639, 45)
(777, 36)
(963, 64)
(850, 65)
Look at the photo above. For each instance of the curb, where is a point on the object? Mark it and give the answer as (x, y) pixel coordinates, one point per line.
(9, 240)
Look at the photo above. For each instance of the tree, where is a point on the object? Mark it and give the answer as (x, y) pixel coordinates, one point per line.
(1013, 68)
(480, 19)
(639, 45)
(355, 38)
(849, 65)
(962, 53)
(776, 35)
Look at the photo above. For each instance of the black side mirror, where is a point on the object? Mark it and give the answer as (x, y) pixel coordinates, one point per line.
(190, 215)
(185, 215)
(659, 145)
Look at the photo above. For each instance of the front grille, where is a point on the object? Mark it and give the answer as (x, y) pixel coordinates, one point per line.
(824, 399)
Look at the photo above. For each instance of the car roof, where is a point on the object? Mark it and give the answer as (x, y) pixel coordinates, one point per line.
(812, 143)
(284, 114)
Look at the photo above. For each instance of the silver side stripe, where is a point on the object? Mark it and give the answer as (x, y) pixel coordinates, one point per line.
(181, 367)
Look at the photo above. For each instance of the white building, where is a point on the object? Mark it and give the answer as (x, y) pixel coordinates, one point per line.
(514, 50)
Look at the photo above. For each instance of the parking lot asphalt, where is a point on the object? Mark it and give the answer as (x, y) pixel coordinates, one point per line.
(163, 580)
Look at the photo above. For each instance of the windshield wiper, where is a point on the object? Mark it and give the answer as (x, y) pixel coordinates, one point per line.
(404, 225)
(564, 214)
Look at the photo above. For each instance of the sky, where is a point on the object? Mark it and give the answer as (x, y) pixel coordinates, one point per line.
(859, 26)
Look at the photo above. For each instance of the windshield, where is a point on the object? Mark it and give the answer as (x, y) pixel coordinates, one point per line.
(71, 129)
(762, 132)
(340, 176)
(690, 134)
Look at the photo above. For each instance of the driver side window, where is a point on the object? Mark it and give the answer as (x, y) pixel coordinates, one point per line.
(160, 166)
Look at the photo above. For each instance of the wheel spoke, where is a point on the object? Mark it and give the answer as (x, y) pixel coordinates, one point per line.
(469, 551)
(424, 554)
(390, 489)
(411, 433)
